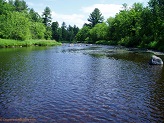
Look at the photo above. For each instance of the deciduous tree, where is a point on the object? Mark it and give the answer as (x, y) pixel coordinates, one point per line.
(15, 25)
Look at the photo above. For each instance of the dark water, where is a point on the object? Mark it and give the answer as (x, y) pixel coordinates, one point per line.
(80, 84)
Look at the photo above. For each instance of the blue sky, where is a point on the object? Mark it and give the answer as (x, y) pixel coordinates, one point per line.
(76, 12)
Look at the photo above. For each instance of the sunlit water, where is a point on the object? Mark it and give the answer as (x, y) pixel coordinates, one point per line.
(80, 83)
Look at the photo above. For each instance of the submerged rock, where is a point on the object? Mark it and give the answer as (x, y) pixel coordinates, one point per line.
(155, 60)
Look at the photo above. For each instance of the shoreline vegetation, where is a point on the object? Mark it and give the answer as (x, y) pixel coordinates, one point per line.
(10, 43)
(135, 26)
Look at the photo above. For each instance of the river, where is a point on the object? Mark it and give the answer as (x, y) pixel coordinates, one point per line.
(80, 83)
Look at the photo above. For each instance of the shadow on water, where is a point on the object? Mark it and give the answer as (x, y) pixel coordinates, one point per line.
(133, 57)
(157, 94)
(141, 58)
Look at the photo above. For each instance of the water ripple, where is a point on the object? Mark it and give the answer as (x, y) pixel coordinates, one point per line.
(70, 84)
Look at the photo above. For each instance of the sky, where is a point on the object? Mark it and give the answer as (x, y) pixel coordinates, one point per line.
(76, 12)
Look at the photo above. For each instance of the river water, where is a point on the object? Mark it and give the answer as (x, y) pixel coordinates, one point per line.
(80, 83)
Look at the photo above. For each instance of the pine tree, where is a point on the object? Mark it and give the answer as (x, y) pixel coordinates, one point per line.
(95, 17)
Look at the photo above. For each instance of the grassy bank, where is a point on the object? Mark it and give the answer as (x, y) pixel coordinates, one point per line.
(4, 43)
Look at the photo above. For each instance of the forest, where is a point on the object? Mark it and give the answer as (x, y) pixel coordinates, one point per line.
(19, 22)
(134, 26)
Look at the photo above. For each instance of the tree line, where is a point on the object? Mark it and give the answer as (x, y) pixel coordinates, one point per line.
(19, 22)
(135, 26)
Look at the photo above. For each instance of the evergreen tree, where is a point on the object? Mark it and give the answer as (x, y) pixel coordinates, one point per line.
(64, 31)
(75, 29)
(47, 22)
(70, 32)
(34, 16)
(95, 17)
(20, 5)
(60, 33)
(47, 17)
(55, 27)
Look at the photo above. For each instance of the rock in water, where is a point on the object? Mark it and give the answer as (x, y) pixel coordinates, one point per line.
(155, 60)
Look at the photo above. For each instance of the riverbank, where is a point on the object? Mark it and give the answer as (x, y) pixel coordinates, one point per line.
(131, 49)
(6, 43)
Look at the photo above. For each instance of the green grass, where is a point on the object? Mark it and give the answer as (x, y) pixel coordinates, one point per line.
(4, 43)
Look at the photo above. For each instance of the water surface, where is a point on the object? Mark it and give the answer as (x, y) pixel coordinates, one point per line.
(80, 83)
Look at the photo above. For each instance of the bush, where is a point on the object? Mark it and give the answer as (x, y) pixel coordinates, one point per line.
(152, 45)
(125, 41)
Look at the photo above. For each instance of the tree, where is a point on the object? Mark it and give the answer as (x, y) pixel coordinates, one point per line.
(64, 31)
(128, 22)
(37, 30)
(55, 34)
(5, 7)
(60, 33)
(95, 17)
(70, 33)
(146, 31)
(125, 6)
(99, 32)
(109, 29)
(19, 5)
(47, 22)
(34, 16)
(47, 17)
(48, 33)
(75, 30)
(15, 25)
(83, 35)
(135, 15)
(157, 20)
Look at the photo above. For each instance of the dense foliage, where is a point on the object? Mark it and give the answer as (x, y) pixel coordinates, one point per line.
(8, 43)
(135, 26)
(14, 25)
(19, 22)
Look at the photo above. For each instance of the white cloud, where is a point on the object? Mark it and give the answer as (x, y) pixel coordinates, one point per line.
(69, 19)
(30, 4)
(34, 5)
(77, 18)
(103, 1)
(107, 10)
